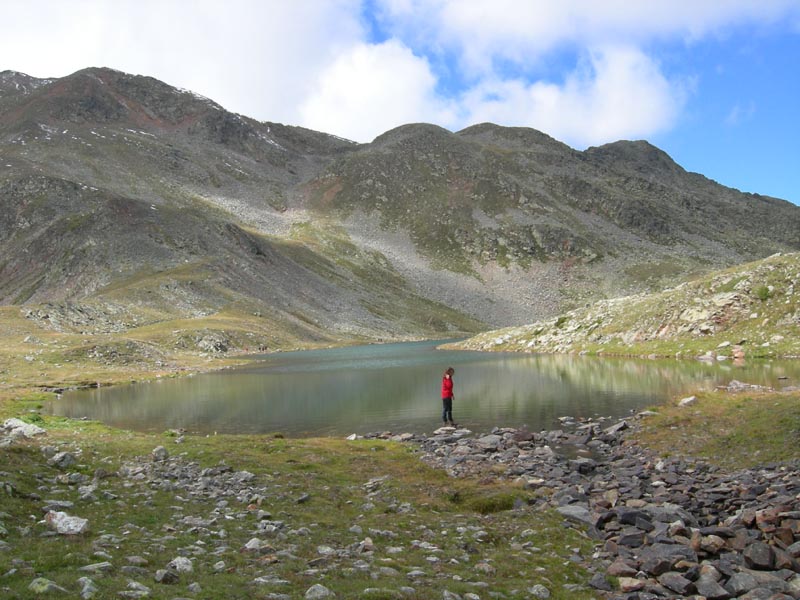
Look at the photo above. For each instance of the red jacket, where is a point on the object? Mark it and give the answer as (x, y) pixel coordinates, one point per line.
(447, 387)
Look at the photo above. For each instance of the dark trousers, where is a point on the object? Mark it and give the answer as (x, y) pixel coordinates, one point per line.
(447, 410)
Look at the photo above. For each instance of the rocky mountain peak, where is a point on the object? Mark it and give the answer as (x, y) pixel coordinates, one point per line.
(639, 155)
(100, 95)
(14, 83)
(519, 138)
(413, 134)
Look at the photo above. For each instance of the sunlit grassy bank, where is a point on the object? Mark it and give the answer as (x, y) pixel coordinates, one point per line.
(736, 430)
(751, 310)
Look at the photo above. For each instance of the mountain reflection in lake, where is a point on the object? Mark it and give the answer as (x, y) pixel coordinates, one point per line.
(395, 387)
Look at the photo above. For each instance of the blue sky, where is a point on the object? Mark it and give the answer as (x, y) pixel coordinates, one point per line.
(741, 124)
(716, 84)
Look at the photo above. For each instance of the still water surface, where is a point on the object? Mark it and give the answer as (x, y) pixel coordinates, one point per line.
(395, 387)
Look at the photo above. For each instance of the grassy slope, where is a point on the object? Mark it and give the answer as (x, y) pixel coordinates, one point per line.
(756, 306)
(738, 430)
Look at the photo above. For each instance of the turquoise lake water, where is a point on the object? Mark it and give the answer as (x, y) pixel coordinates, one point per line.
(395, 387)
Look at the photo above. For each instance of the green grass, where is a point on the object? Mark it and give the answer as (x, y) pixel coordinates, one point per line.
(731, 430)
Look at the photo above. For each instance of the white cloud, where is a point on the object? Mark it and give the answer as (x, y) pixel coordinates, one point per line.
(254, 57)
(502, 49)
(618, 93)
(481, 31)
(372, 88)
(310, 62)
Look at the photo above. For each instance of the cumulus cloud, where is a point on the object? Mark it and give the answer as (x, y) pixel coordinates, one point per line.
(254, 57)
(481, 31)
(618, 92)
(613, 88)
(372, 88)
(581, 70)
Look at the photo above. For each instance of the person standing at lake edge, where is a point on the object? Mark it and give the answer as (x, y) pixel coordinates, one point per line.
(447, 396)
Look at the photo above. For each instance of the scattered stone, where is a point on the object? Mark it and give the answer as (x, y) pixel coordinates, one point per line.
(63, 460)
(663, 523)
(318, 592)
(539, 591)
(88, 588)
(665, 527)
(257, 545)
(160, 454)
(490, 442)
(136, 590)
(40, 585)
(619, 568)
(181, 564)
(630, 584)
(167, 576)
(97, 568)
(383, 593)
(599, 582)
(194, 587)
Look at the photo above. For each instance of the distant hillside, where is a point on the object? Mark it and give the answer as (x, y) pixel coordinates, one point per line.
(546, 226)
(752, 310)
(124, 197)
(125, 202)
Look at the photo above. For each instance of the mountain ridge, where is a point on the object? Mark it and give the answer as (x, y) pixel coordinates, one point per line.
(107, 176)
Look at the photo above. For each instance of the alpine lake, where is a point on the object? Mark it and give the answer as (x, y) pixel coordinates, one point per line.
(396, 387)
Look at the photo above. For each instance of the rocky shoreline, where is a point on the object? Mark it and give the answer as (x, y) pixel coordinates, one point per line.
(664, 527)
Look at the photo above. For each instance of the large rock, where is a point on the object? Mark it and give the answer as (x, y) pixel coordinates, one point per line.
(88, 588)
(17, 428)
(318, 592)
(166, 576)
(759, 556)
(539, 591)
(40, 585)
(65, 524)
(490, 442)
(63, 460)
(181, 564)
(574, 512)
(740, 583)
(676, 583)
(710, 589)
